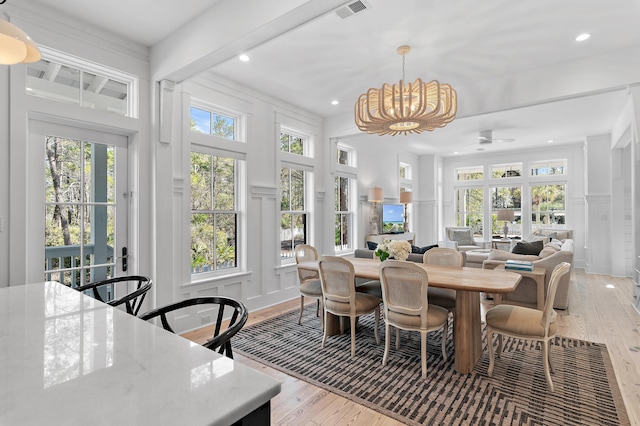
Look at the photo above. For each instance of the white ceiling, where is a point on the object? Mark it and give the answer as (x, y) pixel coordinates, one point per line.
(466, 43)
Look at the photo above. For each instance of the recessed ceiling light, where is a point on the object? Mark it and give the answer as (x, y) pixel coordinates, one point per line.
(334, 102)
(583, 37)
(244, 58)
(456, 153)
(550, 141)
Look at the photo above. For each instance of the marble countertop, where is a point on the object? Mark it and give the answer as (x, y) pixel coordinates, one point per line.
(67, 359)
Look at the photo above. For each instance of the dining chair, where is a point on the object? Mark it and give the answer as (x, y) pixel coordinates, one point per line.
(223, 331)
(340, 298)
(527, 323)
(131, 300)
(309, 279)
(406, 306)
(444, 297)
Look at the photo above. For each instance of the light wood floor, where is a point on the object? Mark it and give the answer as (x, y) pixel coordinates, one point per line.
(599, 310)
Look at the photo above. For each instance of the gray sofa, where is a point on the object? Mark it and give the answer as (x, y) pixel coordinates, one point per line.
(552, 254)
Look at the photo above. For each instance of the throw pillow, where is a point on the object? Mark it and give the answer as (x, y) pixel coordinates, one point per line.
(526, 247)
(535, 237)
(371, 245)
(415, 249)
(547, 251)
(463, 237)
(425, 249)
(505, 255)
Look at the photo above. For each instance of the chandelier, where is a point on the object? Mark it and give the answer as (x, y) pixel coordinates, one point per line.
(411, 108)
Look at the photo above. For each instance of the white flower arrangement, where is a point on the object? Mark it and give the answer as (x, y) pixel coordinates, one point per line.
(395, 249)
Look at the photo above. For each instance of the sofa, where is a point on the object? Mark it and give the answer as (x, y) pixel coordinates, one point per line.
(553, 252)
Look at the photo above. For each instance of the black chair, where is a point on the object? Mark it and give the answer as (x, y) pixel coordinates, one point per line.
(132, 301)
(221, 340)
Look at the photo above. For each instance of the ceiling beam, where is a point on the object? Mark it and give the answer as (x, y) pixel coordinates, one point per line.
(228, 29)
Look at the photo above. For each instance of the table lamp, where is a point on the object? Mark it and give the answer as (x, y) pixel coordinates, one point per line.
(375, 197)
(507, 216)
(406, 197)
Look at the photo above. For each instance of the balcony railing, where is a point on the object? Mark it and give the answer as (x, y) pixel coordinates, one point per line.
(64, 264)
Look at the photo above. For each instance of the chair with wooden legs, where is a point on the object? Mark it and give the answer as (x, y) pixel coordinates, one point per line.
(340, 298)
(406, 306)
(309, 279)
(444, 297)
(527, 323)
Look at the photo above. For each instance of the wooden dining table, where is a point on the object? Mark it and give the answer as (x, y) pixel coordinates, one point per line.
(468, 284)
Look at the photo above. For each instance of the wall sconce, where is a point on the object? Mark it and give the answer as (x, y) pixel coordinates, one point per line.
(507, 216)
(375, 197)
(406, 197)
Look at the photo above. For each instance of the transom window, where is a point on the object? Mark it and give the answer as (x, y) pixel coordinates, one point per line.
(405, 171)
(470, 173)
(66, 79)
(293, 143)
(544, 168)
(213, 123)
(506, 170)
(345, 156)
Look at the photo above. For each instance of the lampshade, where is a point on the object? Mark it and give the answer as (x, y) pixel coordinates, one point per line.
(406, 197)
(16, 46)
(506, 215)
(375, 195)
(411, 108)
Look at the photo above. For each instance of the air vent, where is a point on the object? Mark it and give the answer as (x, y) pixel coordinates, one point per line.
(351, 9)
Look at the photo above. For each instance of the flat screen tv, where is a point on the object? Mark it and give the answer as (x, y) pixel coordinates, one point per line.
(392, 218)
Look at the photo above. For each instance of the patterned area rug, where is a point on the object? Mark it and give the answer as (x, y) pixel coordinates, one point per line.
(586, 391)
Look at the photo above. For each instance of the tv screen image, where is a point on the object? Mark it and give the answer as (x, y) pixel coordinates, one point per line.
(392, 218)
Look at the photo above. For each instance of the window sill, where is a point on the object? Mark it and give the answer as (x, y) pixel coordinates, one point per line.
(217, 278)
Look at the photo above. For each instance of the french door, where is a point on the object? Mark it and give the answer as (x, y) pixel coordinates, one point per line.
(80, 231)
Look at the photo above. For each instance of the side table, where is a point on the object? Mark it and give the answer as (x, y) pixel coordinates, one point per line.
(538, 275)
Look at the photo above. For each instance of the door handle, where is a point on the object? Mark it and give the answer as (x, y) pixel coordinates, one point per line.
(125, 255)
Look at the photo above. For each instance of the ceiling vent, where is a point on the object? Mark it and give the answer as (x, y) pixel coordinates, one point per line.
(351, 9)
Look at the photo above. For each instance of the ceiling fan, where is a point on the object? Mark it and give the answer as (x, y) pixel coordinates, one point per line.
(485, 137)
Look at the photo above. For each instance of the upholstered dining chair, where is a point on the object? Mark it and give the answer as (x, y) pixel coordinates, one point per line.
(340, 298)
(309, 279)
(444, 297)
(231, 316)
(406, 306)
(131, 298)
(527, 323)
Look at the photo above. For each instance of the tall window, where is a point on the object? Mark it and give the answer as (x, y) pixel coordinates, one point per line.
(405, 171)
(548, 205)
(469, 209)
(344, 213)
(214, 217)
(506, 198)
(215, 189)
(293, 214)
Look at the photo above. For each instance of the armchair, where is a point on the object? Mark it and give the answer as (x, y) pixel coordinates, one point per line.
(461, 238)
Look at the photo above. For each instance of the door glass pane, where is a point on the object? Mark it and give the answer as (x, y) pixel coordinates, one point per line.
(80, 212)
